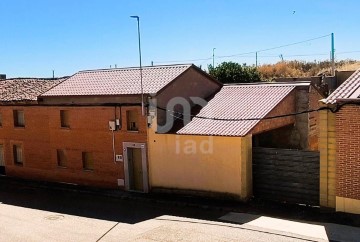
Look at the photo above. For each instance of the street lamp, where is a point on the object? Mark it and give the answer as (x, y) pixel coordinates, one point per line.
(141, 76)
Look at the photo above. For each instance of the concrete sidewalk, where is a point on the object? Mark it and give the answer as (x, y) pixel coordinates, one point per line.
(321, 231)
(20, 224)
(38, 211)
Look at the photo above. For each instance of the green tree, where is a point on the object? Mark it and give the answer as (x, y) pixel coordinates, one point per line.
(231, 72)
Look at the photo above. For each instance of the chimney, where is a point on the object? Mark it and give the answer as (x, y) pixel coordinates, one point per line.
(2, 77)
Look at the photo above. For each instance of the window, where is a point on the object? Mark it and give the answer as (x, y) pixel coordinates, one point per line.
(132, 120)
(64, 118)
(18, 154)
(61, 158)
(2, 161)
(19, 119)
(88, 162)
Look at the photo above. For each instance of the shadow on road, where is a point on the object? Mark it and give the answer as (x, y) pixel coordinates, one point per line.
(92, 205)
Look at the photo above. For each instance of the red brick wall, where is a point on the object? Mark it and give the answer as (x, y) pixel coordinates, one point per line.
(88, 132)
(286, 106)
(348, 152)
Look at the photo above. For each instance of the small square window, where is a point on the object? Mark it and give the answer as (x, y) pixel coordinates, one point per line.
(18, 154)
(61, 158)
(88, 161)
(132, 120)
(64, 118)
(19, 118)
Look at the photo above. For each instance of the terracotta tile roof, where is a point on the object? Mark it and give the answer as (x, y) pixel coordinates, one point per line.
(350, 89)
(25, 89)
(120, 81)
(237, 102)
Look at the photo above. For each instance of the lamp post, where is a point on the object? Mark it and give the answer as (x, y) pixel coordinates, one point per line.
(141, 76)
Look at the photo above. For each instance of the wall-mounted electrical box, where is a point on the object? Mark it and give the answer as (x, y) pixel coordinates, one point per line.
(149, 119)
(121, 182)
(112, 125)
(118, 157)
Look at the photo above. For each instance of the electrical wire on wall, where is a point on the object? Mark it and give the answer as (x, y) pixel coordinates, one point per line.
(113, 145)
(113, 137)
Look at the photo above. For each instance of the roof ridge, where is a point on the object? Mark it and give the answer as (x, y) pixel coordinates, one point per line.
(35, 78)
(135, 67)
(267, 84)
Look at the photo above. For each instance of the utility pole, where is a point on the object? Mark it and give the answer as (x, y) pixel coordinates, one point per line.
(332, 55)
(256, 59)
(141, 74)
(214, 57)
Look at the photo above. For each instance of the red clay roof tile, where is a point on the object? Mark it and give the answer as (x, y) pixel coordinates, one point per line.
(25, 89)
(237, 102)
(119, 81)
(350, 89)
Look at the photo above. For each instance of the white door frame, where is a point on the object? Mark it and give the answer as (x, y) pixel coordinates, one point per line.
(141, 146)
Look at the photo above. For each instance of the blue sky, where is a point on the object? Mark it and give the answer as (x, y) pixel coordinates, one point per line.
(39, 36)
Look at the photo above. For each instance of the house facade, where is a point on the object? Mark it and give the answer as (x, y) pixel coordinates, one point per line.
(92, 128)
(339, 147)
(15, 94)
(213, 153)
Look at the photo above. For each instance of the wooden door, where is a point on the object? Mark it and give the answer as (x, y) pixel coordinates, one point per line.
(135, 169)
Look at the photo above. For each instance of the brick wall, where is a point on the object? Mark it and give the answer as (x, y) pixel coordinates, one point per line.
(287, 105)
(88, 132)
(347, 152)
(313, 140)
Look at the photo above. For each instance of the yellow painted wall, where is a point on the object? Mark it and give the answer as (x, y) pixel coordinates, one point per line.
(201, 163)
(347, 205)
(327, 145)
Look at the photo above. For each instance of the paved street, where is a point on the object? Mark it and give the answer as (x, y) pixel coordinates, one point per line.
(38, 214)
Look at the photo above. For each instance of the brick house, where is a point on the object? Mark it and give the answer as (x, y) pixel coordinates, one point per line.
(213, 156)
(14, 95)
(89, 129)
(339, 147)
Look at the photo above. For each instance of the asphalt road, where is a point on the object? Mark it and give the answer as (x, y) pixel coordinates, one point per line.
(93, 205)
(29, 213)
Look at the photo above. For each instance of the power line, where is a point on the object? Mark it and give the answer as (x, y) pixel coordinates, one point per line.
(336, 109)
(348, 52)
(246, 53)
(292, 55)
(191, 60)
(277, 47)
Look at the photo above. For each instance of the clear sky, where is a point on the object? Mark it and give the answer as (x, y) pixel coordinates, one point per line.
(38, 36)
